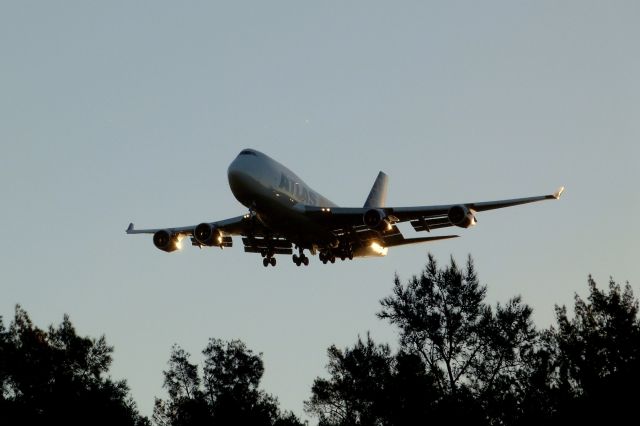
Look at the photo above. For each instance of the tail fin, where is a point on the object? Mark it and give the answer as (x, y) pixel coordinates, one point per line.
(378, 195)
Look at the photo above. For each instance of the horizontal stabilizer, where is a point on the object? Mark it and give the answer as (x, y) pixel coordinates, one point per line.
(406, 241)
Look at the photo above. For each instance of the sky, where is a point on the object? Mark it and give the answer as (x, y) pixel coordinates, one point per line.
(112, 112)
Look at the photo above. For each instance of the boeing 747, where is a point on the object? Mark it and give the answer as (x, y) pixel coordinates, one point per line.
(286, 215)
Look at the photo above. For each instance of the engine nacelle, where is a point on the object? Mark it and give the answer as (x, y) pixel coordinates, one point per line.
(374, 218)
(165, 241)
(207, 235)
(461, 216)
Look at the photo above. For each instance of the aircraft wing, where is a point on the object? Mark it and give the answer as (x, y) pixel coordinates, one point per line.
(257, 237)
(422, 218)
(232, 226)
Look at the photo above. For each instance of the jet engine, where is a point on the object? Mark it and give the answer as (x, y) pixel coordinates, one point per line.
(207, 235)
(461, 216)
(165, 241)
(374, 218)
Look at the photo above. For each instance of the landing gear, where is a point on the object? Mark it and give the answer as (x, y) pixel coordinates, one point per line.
(343, 252)
(327, 256)
(300, 259)
(267, 257)
(269, 261)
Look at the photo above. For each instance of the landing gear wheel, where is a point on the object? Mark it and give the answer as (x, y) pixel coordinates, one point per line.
(265, 262)
(272, 261)
(301, 259)
(333, 259)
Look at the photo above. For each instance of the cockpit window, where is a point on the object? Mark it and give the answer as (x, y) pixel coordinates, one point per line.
(247, 152)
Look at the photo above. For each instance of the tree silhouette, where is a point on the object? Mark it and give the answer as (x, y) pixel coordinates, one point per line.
(459, 360)
(442, 318)
(597, 359)
(359, 386)
(227, 393)
(57, 377)
(502, 367)
(369, 386)
(473, 353)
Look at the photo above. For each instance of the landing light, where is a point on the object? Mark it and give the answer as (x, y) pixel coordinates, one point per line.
(178, 243)
(378, 249)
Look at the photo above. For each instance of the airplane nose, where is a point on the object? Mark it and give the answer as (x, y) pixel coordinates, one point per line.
(239, 180)
(235, 173)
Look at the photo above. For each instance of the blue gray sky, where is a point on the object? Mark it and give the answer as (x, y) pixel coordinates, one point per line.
(112, 112)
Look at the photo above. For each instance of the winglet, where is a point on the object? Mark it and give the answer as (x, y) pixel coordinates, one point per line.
(558, 193)
(130, 228)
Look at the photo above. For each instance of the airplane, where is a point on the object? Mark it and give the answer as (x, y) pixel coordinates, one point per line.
(286, 214)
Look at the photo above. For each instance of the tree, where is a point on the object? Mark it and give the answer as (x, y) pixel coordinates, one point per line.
(58, 377)
(473, 354)
(369, 386)
(460, 360)
(597, 355)
(441, 316)
(358, 389)
(227, 394)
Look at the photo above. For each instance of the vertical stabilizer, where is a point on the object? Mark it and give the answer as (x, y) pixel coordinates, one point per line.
(378, 195)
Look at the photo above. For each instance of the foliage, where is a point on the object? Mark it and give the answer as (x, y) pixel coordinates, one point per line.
(227, 393)
(472, 352)
(597, 355)
(58, 377)
(460, 360)
(369, 386)
(442, 318)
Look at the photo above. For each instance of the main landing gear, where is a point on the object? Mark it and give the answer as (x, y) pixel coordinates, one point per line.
(327, 257)
(300, 259)
(330, 255)
(269, 261)
(268, 258)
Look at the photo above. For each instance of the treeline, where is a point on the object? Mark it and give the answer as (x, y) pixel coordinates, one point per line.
(56, 377)
(459, 360)
(462, 360)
